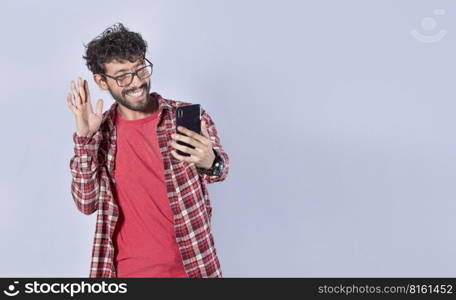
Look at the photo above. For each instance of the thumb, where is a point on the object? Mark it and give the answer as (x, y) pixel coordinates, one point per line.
(99, 109)
(206, 132)
(204, 129)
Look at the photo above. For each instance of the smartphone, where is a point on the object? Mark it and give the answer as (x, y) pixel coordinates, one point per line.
(188, 117)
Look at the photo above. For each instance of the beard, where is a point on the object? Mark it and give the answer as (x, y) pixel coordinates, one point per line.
(137, 106)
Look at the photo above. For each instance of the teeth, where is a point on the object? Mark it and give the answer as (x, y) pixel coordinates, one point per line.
(137, 93)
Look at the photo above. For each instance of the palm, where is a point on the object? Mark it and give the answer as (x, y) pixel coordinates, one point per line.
(90, 119)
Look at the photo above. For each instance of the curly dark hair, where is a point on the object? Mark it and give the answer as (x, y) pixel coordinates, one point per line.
(115, 43)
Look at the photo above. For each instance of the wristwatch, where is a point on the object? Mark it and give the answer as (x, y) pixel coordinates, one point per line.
(217, 166)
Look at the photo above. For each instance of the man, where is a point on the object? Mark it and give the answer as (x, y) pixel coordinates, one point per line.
(153, 208)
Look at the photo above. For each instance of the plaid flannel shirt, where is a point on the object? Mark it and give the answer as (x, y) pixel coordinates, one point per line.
(93, 182)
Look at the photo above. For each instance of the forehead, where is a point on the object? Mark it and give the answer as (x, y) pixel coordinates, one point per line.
(121, 65)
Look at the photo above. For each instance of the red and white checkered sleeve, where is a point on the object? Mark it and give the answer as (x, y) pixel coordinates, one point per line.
(217, 146)
(85, 185)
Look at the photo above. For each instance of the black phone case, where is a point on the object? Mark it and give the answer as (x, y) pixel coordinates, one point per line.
(188, 117)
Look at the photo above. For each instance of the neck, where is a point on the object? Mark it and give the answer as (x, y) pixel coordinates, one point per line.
(131, 115)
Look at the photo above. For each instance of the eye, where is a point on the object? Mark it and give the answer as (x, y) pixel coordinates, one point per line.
(122, 77)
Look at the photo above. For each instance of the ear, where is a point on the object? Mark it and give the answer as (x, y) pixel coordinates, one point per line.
(100, 81)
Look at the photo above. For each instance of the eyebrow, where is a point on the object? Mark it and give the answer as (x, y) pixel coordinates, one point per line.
(123, 70)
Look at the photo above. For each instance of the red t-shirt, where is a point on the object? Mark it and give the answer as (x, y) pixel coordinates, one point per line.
(144, 238)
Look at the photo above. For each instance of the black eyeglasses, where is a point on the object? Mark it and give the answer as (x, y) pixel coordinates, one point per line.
(126, 78)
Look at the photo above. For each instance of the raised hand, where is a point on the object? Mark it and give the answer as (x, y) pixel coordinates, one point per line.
(78, 100)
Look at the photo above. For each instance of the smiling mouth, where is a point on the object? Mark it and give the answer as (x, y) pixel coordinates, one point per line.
(137, 93)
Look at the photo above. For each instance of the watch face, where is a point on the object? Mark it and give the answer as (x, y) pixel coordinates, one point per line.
(218, 167)
(217, 172)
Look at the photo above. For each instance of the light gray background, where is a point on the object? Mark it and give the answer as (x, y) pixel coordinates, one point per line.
(339, 124)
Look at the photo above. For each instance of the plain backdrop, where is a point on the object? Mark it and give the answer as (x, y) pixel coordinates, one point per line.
(339, 122)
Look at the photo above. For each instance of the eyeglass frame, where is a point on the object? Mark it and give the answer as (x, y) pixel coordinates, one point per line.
(135, 73)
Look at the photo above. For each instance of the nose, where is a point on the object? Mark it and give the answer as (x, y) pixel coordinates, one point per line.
(136, 82)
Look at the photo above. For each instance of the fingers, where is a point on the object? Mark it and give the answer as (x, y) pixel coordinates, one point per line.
(200, 138)
(81, 95)
(181, 157)
(188, 140)
(86, 89)
(204, 129)
(70, 103)
(184, 148)
(81, 90)
(205, 132)
(99, 108)
(76, 95)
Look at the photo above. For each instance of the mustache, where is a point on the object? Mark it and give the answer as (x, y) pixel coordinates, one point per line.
(134, 89)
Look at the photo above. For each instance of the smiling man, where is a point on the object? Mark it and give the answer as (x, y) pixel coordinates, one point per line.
(152, 204)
